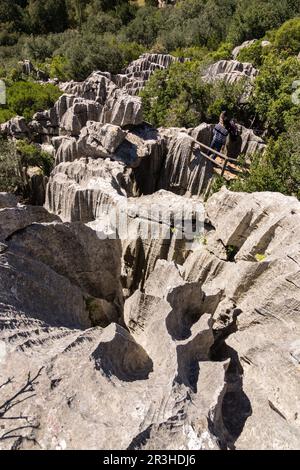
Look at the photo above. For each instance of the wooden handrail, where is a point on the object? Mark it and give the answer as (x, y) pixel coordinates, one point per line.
(225, 158)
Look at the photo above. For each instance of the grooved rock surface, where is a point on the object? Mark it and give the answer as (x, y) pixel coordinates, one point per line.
(113, 362)
(260, 284)
(59, 273)
(231, 71)
(135, 76)
(15, 127)
(204, 355)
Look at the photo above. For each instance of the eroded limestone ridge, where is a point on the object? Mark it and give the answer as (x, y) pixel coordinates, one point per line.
(204, 355)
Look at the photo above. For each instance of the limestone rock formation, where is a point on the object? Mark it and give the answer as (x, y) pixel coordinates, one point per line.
(205, 354)
(62, 274)
(159, 159)
(130, 309)
(135, 76)
(15, 127)
(250, 260)
(100, 193)
(28, 68)
(231, 71)
(115, 105)
(154, 231)
(238, 49)
(102, 97)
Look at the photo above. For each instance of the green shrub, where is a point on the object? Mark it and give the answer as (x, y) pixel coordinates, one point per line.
(278, 169)
(253, 54)
(32, 156)
(287, 38)
(179, 97)
(224, 52)
(10, 171)
(272, 97)
(26, 98)
(253, 18)
(59, 67)
(15, 160)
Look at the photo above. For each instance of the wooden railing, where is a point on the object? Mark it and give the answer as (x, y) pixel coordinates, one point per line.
(226, 160)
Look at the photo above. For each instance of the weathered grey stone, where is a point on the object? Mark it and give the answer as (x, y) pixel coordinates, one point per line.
(231, 71)
(135, 76)
(16, 218)
(259, 299)
(8, 200)
(15, 127)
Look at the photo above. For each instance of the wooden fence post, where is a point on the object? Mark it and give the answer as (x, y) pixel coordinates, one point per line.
(224, 167)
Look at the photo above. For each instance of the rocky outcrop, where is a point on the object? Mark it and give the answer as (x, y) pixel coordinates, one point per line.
(127, 310)
(15, 127)
(116, 106)
(158, 398)
(159, 159)
(102, 97)
(27, 68)
(97, 99)
(236, 51)
(62, 274)
(135, 76)
(98, 193)
(83, 190)
(231, 71)
(110, 99)
(160, 226)
(15, 217)
(185, 171)
(250, 260)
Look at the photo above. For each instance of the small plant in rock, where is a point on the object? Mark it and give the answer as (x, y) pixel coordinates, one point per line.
(260, 257)
(231, 251)
(200, 239)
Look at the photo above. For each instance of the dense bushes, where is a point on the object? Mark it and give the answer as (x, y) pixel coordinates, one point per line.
(179, 97)
(94, 52)
(31, 156)
(272, 98)
(278, 169)
(190, 23)
(10, 174)
(253, 18)
(88, 34)
(26, 98)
